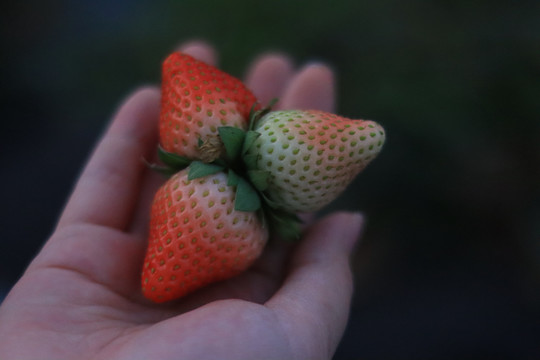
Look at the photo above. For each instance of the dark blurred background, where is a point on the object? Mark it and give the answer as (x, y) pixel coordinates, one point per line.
(449, 266)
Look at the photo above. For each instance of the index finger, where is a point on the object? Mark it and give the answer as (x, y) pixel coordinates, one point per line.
(109, 186)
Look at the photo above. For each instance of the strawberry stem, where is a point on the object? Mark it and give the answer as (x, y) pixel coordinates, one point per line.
(212, 148)
(228, 151)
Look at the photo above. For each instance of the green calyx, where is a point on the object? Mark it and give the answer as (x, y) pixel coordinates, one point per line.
(228, 152)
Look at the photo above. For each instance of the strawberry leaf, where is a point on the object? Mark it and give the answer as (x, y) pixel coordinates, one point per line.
(285, 224)
(247, 198)
(232, 178)
(289, 231)
(271, 103)
(256, 115)
(259, 179)
(233, 140)
(270, 203)
(252, 112)
(176, 162)
(251, 136)
(250, 160)
(198, 169)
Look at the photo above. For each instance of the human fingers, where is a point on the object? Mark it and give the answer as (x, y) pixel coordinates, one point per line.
(313, 87)
(313, 303)
(200, 50)
(268, 76)
(109, 186)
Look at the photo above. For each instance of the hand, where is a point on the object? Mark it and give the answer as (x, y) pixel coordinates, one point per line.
(80, 298)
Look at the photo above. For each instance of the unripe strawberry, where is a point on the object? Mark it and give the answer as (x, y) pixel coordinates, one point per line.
(312, 155)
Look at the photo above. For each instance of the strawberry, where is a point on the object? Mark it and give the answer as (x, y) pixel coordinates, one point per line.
(238, 172)
(196, 99)
(197, 237)
(312, 155)
(203, 224)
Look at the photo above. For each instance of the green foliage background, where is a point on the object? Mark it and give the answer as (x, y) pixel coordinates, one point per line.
(452, 202)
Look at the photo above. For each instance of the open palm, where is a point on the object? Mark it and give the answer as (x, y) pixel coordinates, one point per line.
(80, 297)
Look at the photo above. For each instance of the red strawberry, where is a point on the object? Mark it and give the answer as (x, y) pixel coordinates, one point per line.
(312, 156)
(196, 99)
(197, 237)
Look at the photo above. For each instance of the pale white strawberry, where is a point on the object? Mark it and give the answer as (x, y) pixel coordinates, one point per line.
(312, 156)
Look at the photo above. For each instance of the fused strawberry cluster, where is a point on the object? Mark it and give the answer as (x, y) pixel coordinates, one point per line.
(238, 172)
